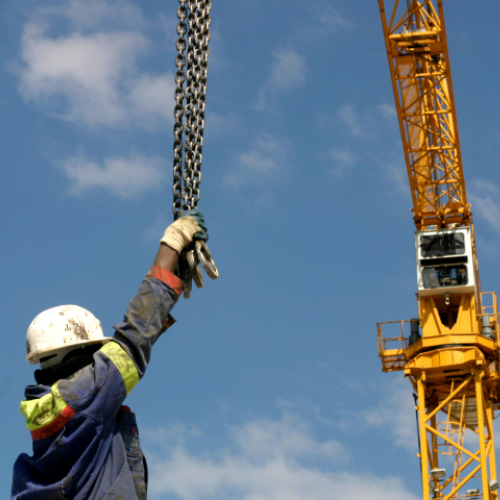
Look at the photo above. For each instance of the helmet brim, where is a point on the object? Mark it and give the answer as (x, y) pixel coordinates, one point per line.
(35, 356)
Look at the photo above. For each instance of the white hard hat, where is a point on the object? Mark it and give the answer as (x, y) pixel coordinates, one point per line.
(59, 330)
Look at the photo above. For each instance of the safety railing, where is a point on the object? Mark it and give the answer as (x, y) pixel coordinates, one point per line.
(489, 307)
(393, 358)
(392, 348)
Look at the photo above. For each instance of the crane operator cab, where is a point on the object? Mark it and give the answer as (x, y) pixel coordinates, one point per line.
(445, 262)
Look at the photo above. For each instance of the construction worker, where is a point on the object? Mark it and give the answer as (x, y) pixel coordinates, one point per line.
(85, 442)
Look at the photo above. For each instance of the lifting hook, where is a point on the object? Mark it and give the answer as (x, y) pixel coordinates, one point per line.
(189, 271)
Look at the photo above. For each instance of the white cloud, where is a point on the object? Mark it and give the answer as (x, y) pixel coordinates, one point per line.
(266, 161)
(398, 178)
(484, 186)
(386, 111)
(349, 116)
(367, 125)
(290, 437)
(331, 20)
(83, 71)
(288, 72)
(396, 412)
(264, 460)
(152, 97)
(487, 208)
(343, 161)
(124, 177)
(326, 21)
(91, 78)
(483, 196)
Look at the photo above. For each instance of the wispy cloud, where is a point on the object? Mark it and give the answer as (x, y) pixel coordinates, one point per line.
(396, 413)
(262, 459)
(322, 20)
(368, 124)
(343, 161)
(483, 195)
(331, 20)
(267, 160)
(151, 97)
(348, 115)
(386, 110)
(91, 78)
(398, 178)
(287, 73)
(124, 177)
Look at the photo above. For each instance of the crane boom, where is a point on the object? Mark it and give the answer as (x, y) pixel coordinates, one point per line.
(420, 71)
(452, 354)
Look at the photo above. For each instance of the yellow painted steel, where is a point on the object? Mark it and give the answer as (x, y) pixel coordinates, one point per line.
(453, 367)
(478, 375)
(420, 70)
(424, 459)
(459, 316)
(493, 467)
(447, 411)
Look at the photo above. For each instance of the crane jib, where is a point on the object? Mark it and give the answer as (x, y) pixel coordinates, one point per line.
(420, 71)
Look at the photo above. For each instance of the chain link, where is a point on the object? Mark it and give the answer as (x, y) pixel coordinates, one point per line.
(190, 99)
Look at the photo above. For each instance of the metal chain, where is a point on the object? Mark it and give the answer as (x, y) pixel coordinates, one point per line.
(189, 111)
(180, 62)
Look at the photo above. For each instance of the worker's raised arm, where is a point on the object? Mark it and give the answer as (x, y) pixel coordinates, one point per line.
(148, 313)
(122, 362)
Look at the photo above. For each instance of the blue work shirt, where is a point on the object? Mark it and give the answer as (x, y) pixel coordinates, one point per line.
(84, 446)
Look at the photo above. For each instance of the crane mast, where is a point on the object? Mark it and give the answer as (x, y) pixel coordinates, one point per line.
(452, 352)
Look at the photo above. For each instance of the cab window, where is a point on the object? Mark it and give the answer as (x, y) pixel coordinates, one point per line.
(441, 245)
(443, 276)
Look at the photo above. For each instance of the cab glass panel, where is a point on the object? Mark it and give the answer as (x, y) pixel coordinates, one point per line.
(442, 245)
(443, 276)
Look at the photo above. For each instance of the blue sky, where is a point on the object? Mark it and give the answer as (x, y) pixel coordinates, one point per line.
(269, 386)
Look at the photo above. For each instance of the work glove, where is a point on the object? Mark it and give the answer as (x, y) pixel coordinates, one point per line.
(191, 226)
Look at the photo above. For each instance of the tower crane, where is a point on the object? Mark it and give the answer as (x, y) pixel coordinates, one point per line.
(451, 352)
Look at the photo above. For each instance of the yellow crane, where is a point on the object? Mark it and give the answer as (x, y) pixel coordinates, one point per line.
(451, 353)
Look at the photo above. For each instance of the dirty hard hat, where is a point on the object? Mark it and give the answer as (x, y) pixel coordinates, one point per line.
(59, 330)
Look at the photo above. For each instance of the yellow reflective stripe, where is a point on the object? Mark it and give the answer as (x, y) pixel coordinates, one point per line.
(43, 411)
(122, 361)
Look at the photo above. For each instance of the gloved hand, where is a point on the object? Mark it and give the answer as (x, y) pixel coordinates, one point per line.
(197, 214)
(191, 226)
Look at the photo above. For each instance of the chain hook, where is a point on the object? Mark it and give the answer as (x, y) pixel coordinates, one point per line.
(193, 267)
(205, 258)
